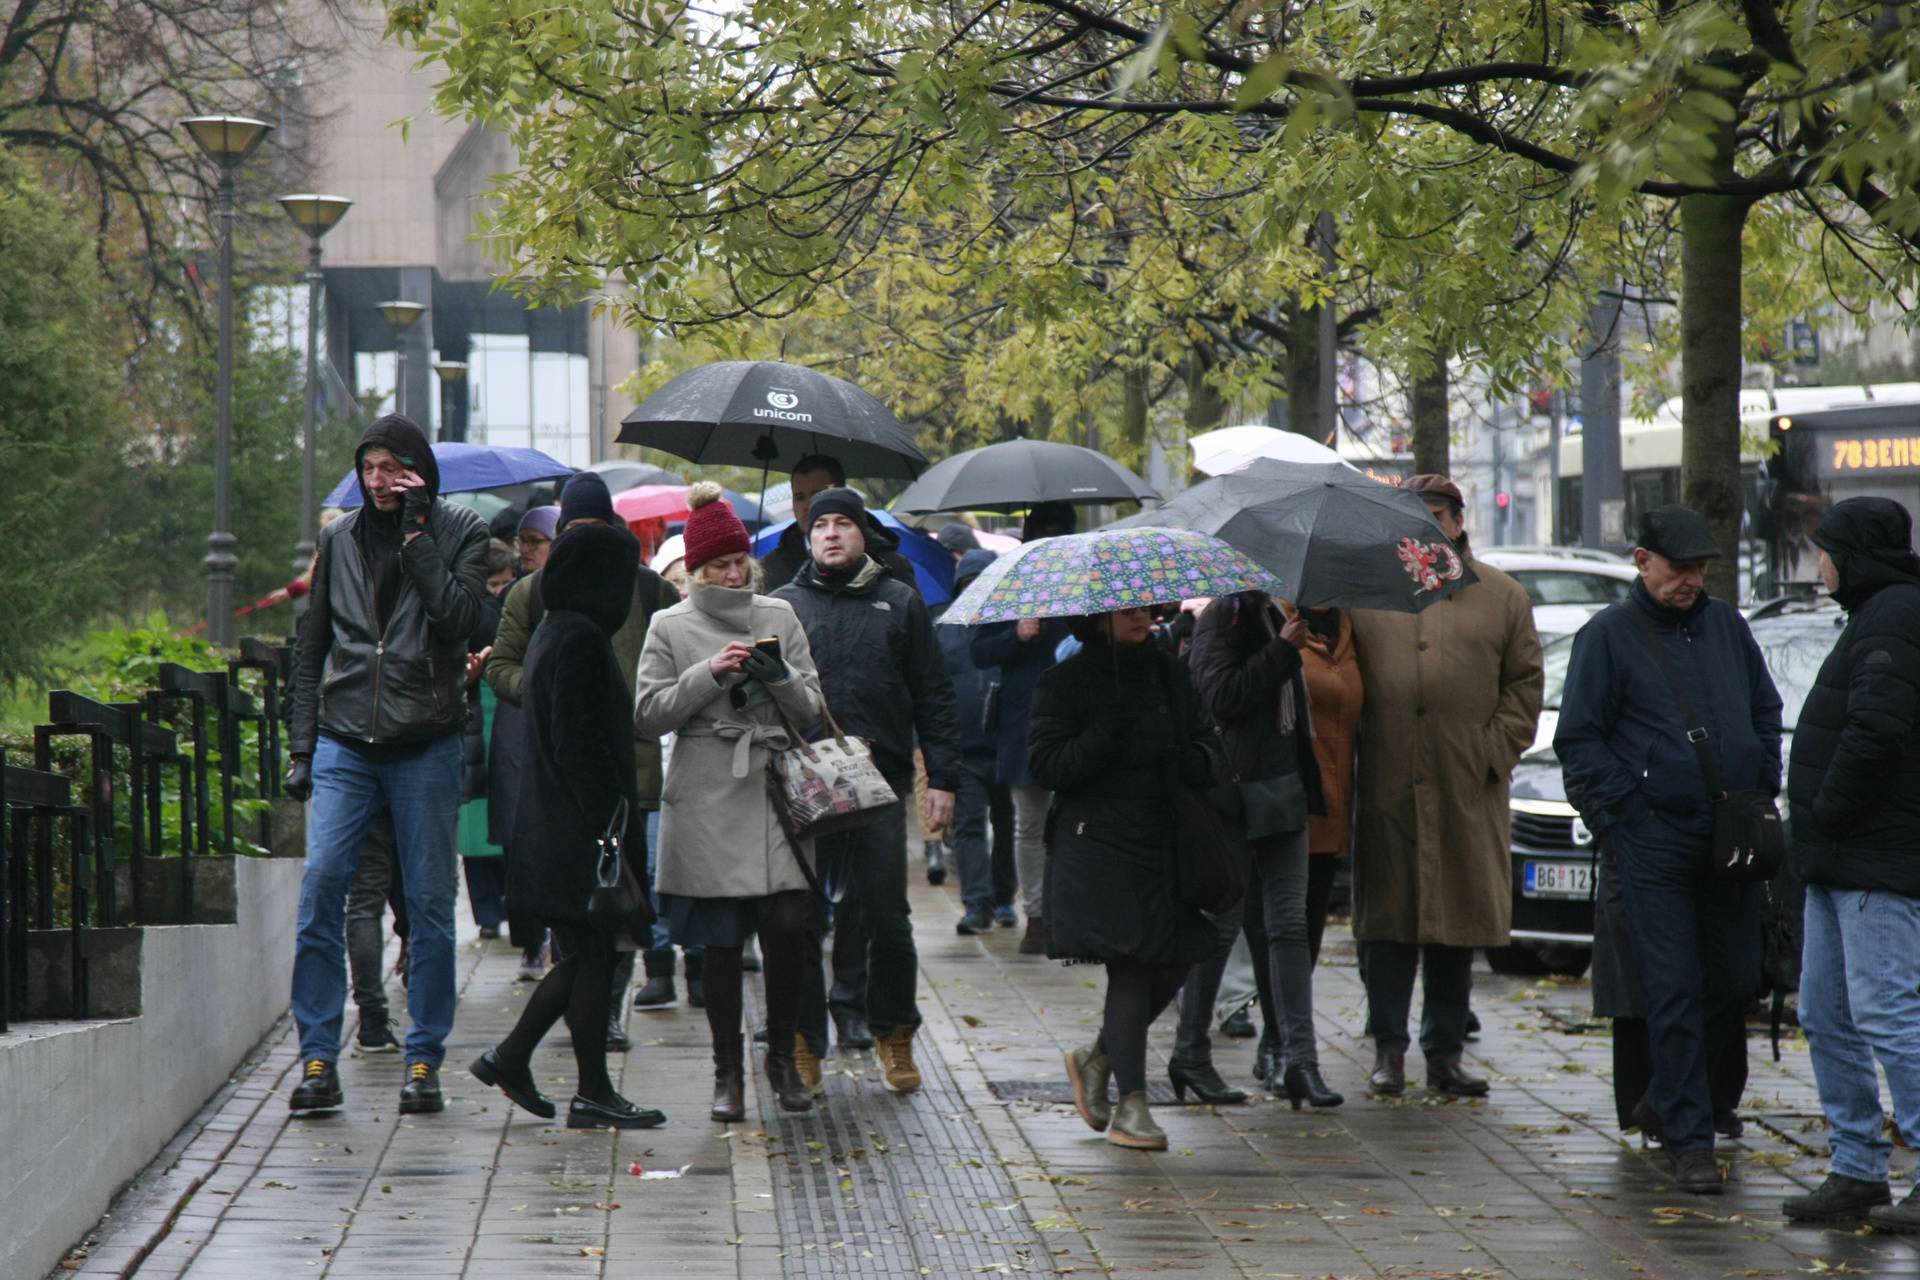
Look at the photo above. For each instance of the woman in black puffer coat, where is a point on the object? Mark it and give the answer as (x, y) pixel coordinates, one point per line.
(1114, 729)
(577, 774)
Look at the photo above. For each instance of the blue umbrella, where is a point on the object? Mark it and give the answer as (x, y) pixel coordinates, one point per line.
(932, 563)
(466, 468)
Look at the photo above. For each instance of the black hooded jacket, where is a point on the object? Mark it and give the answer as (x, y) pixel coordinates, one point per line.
(1853, 779)
(577, 748)
(380, 660)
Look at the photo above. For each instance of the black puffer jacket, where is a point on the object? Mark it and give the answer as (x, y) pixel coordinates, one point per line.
(881, 671)
(1854, 777)
(1112, 729)
(789, 555)
(578, 727)
(405, 682)
(1239, 672)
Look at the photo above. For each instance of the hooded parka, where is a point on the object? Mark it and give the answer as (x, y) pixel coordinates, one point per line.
(1453, 695)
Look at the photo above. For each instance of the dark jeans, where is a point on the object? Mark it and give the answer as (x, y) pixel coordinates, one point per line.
(1697, 939)
(1633, 1068)
(486, 890)
(868, 868)
(1006, 876)
(1446, 986)
(1192, 1045)
(375, 887)
(967, 837)
(1281, 940)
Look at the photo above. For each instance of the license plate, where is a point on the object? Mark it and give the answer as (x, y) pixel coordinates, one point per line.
(1557, 880)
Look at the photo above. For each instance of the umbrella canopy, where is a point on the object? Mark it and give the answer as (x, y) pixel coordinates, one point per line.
(488, 505)
(621, 473)
(1230, 448)
(1108, 569)
(932, 563)
(770, 414)
(1331, 535)
(1016, 475)
(669, 502)
(467, 467)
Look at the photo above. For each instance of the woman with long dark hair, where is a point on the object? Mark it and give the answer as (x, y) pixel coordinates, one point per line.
(576, 786)
(1114, 729)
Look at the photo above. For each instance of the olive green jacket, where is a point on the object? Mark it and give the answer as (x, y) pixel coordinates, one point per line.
(505, 671)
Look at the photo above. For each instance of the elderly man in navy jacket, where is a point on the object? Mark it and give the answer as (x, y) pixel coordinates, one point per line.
(1635, 776)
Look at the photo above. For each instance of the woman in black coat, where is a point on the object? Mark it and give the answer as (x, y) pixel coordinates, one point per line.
(1114, 728)
(577, 774)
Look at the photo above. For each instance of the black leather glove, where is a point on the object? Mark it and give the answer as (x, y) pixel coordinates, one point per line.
(765, 667)
(298, 784)
(415, 505)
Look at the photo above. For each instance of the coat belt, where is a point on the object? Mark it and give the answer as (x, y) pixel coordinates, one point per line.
(744, 737)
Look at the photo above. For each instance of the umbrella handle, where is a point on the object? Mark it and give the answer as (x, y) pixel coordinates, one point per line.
(760, 516)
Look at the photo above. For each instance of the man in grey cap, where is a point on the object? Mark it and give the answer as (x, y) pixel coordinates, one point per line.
(1628, 754)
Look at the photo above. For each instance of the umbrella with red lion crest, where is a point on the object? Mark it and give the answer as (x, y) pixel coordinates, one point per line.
(1329, 533)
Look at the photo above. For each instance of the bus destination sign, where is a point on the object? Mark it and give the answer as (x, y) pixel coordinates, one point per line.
(1860, 454)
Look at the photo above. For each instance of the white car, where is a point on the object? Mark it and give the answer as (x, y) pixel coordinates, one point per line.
(1566, 586)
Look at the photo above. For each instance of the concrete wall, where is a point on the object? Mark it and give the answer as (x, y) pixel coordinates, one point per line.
(85, 1105)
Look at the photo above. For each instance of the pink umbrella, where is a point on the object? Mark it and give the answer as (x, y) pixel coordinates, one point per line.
(652, 502)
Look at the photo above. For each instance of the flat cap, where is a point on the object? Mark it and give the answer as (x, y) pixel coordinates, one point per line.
(1679, 533)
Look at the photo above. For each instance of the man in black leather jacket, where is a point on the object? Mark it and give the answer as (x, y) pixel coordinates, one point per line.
(379, 702)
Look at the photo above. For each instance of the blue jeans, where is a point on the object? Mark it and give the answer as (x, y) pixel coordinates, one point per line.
(423, 792)
(1860, 1000)
(967, 837)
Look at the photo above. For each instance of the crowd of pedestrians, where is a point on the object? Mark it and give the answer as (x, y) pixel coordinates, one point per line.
(590, 701)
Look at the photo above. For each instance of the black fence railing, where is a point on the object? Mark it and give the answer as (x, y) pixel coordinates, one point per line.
(113, 814)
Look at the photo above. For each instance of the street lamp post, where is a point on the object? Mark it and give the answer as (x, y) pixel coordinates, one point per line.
(400, 315)
(315, 215)
(453, 373)
(227, 140)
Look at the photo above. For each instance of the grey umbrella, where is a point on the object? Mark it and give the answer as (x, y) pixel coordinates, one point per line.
(1329, 533)
(1016, 475)
(772, 414)
(622, 474)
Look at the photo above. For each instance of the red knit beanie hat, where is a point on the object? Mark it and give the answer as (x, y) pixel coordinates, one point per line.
(712, 528)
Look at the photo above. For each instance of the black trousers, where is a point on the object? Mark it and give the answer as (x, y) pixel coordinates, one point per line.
(867, 868)
(1446, 987)
(1633, 1068)
(1006, 875)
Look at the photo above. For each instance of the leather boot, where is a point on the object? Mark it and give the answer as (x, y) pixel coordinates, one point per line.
(1304, 1083)
(1838, 1199)
(784, 1076)
(729, 1079)
(1452, 1079)
(1389, 1073)
(657, 991)
(1203, 1079)
(1134, 1127)
(1088, 1072)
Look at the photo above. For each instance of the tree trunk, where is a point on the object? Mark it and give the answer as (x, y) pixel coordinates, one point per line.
(1710, 263)
(1206, 408)
(1134, 408)
(1432, 429)
(1303, 372)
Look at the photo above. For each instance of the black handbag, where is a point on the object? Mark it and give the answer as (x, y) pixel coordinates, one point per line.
(1749, 839)
(619, 907)
(1211, 863)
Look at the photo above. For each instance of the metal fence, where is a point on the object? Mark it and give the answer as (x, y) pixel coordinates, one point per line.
(113, 811)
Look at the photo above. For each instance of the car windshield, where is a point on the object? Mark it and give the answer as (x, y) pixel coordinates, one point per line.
(1571, 586)
(1793, 655)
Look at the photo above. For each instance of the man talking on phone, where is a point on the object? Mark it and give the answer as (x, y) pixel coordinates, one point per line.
(379, 702)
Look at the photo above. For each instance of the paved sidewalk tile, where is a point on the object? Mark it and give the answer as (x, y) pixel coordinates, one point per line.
(984, 1171)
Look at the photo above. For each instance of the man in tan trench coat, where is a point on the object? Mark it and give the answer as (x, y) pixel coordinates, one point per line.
(1453, 693)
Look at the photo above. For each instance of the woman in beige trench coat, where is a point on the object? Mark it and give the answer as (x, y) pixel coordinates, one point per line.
(726, 869)
(1453, 694)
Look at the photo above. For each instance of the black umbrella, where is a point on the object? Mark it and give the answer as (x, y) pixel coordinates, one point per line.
(1017, 475)
(622, 474)
(771, 414)
(1332, 535)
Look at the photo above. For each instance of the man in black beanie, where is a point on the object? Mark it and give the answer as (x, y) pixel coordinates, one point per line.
(379, 702)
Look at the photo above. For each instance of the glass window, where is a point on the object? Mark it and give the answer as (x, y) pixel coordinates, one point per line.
(1555, 655)
(1566, 586)
(1793, 657)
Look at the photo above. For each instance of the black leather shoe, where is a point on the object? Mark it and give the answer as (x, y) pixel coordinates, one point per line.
(1902, 1219)
(1696, 1172)
(1838, 1199)
(585, 1113)
(1728, 1124)
(1389, 1076)
(788, 1088)
(1205, 1082)
(516, 1082)
(420, 1095)
(850, 1031)
(1304, 1083)
(319, 1088)
(972, 924)
(1238, 1025)
(1452, 1079)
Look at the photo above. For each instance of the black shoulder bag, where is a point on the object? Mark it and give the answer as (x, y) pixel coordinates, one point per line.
(618, 906)
(1749, 840)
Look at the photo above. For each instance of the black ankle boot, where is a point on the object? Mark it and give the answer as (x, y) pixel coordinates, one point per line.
(784, 1076)
(1204, 1079)
(1838, 1199)
(1304, 1084)
(729, 1079)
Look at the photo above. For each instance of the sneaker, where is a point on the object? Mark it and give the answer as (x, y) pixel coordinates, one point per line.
(420, 1095)
(1902, 1219)
(974, 922)
(1004, 917)
(897, 1069)
(1838, 1199)
(376, 1034)
(1034, 941)
(807, 1063)
(319, 1088)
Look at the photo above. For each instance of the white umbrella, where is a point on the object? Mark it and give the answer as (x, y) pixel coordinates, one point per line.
(1230, 448)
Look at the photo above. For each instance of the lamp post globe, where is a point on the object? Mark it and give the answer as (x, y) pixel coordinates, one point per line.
(452, 374)
(400, 316)
(315, 215)
(226, 140)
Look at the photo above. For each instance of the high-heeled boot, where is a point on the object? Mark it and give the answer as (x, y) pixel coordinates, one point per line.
(1204, 1080)
(1133, 1125)
(729, 1079)
(1304, 1083)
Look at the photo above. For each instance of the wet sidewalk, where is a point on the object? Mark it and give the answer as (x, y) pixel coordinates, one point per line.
(982, 1172)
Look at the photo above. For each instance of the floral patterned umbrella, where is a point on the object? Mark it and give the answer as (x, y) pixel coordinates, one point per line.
(1107, 569)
